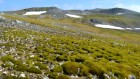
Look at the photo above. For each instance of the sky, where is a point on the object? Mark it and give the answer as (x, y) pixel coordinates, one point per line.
(8, 5)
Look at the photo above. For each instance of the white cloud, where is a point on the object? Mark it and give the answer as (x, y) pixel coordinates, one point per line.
(133, 7)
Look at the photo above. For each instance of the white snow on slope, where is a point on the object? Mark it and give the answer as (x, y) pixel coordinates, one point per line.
(137, 28)
(128, 28)
(108, 26)
(74, 16)
(35, 13)
(114, 27)
(120, 13)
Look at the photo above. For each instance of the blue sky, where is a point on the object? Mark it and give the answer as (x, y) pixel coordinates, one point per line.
(69, 4)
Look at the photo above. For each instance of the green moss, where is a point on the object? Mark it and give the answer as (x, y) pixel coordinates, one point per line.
(84, 70)
(21, 67)
(71, 68)
(57, 69)
(86, 54)
(79, 59)
(63, 77)
(6, 64)
(8, 77)
(119, 74)
(96, 71)
(60, 58)
(7, 58)
(41, 66)
(34, 70)
(88, 63)
(53, 76)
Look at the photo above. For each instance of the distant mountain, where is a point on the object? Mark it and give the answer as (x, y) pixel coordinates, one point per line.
(39, 9)
(50, 10)
(51, 43)
(120, 17)
(57, 11)
(110, 11)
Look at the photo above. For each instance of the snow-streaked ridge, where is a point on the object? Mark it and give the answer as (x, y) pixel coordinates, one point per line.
(35, 13)
(108, 26)
(74, 16)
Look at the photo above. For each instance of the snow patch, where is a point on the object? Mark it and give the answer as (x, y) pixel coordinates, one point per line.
(128, 28)
(74, 16)
(120, 13)
(35, 13)
(108, 26)
(137, 28)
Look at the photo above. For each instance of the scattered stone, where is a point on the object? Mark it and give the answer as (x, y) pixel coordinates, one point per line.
(107, 76)
(12, 75)
(32, 56)
(131, 77)
(46, 77)
(18, 21)
(22, 75)
(5, 72)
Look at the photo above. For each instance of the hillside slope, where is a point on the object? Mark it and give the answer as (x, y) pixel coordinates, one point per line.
(118, 17)
(67, 48)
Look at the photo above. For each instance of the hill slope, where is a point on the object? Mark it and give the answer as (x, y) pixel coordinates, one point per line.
(119, 17)
(66, 48)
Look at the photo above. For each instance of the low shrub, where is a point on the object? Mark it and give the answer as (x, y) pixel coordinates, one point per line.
(60, 58)
(96, 71)
(84, 70)
(63, 77)
(7, 58)
(70, 68)
(57, 69)
(119, 74)
(34, 70)
(42, 66)
(21, 67)
(53, 76)
(6, 64)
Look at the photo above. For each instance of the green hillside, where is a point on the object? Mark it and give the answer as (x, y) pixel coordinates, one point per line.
(69, 47)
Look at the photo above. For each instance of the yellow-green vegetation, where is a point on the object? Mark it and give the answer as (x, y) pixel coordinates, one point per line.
(93, 52)
(83, 26)
(71, 68)
(42, 53)
(63, 77)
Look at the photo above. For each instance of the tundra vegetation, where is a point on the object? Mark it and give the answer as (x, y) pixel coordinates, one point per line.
(65, 53)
